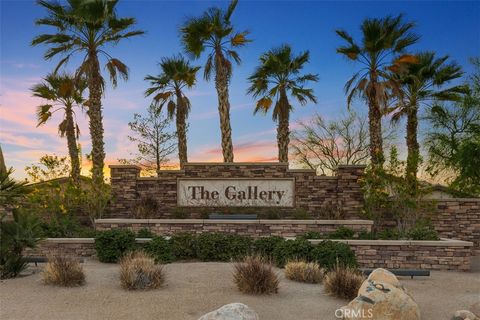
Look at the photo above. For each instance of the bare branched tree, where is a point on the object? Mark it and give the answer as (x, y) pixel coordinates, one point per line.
(155, 142)
(323, 145)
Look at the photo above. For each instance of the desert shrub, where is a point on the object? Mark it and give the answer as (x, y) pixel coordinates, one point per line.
(160, 249)
(343, 282)
(302, 271)
(301, 214)
(290, 250)
(329, 253)
(145, 233)
(342, 233)
(388, 234)
(180, 213)
(183, 245)
(271, 214)
(222, 247)
(423, 233)
(139, 271)
(63, 271)
(145, 208)
(24, 231)
(111, 245)
(254, 276)
(366, 235)
(264, 246)
(311, 235)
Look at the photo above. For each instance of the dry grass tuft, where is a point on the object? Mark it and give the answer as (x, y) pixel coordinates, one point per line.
(343, 282)
(254, 276)
(139, 271)
(309, 272)
(63, 271)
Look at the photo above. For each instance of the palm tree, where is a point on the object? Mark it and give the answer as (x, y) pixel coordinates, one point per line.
(423, 82)
(176, 75)
(277, 76)
(88, 28)
(213, 31)
(63, 93)
(382, 39)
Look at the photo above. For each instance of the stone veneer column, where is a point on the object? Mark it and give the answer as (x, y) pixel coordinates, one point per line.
(124, 190)
(349, 190)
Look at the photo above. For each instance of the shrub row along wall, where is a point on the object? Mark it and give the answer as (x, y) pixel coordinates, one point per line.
(338, 197)
(253, 228)
(430, 255)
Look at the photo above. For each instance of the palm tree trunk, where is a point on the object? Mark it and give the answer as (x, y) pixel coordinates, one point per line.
(221, 84)
(375, 125)
(181, 131)
(70, 132)
(283, 132)
(413, 156)
(96, 119)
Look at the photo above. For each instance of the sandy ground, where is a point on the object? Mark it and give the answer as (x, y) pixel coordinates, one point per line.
(193, 289)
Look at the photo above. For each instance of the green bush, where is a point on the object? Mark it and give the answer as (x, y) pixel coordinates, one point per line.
(15, 236)
(111, 245)
(298, 249)
(222, 247)
(423, 233)
(328, 253)
(311, 235)
(183, 245)
(145, 233)
(160, 249)
(365, 235)
(342, 233)
(264, 246)
(180, 213)
(388, 234)
(301, 214)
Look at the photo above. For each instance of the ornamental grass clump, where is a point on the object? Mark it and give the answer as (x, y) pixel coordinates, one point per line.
(138, 271)
(63, 271)
(309, 272)
(343, 282)
(254, 276)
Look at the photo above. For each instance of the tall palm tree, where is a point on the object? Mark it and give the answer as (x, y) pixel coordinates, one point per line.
(214, 32)
(277, 77)
(88, 28)
(382, 40)
(63, 93)
(423, 82)
(176, 75)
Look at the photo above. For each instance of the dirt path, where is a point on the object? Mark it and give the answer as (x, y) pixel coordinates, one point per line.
(194, 289)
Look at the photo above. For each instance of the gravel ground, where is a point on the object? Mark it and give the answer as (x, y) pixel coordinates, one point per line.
(193, 289)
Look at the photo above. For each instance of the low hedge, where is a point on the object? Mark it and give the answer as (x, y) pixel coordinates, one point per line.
(113, 244)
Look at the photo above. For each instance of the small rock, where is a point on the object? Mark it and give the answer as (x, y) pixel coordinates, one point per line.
(464, 315)
(232, 311)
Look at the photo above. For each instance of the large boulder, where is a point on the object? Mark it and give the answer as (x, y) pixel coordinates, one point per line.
(232, 311)
(464, 315)
(382, 297)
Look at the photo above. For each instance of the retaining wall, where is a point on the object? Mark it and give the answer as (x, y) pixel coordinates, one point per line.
(430, 255)
(253, 228)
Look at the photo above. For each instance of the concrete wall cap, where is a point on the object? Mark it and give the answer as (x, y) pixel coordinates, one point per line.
(126, 166)
(265, 164)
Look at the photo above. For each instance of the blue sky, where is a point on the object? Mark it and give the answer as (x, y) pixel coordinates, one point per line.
(445, 27)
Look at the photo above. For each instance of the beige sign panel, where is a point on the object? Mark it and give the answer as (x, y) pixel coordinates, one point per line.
(236, 192)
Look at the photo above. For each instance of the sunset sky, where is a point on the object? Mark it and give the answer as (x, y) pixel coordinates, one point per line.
(445, 27)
